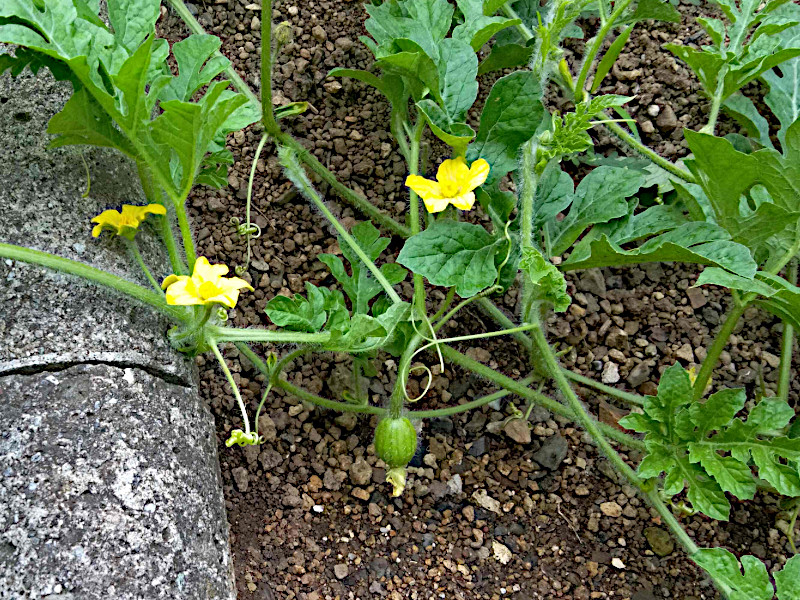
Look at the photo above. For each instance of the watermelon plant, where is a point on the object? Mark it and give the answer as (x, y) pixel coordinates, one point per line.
(733, 208)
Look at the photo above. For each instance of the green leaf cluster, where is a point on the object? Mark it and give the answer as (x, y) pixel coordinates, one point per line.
(754, 583)
(321, 309)
(742, 48)
(706, 448)
(755, 197)
(121, 80)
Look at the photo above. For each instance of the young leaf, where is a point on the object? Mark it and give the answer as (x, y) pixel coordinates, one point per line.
(299, 313)
(787, 580)
(456, 135)
(599, 197)
(783, 98)
(657, 10)
(454, 254)
(610, 57)
(550, 285)
(478, 28)
(132, 20)
(361, 287)
(198, 63)
(778, 296)
(511, 116)
(726, 174)
(742, 109)
(506, 56)
(723, 566)
(755, 46)
(458, 68)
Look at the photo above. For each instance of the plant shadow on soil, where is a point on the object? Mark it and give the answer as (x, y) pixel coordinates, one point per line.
(309, 511)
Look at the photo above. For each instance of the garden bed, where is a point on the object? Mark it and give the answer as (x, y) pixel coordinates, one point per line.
(487, 513)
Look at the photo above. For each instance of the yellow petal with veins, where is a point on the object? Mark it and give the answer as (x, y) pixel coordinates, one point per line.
(464, 202)
(478, 173)
(425, 188)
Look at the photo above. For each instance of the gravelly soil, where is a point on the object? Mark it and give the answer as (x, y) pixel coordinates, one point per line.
(309, 512)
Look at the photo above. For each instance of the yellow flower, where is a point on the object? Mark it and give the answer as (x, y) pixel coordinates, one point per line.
(454, 184)
(125, 223)
(206, 286)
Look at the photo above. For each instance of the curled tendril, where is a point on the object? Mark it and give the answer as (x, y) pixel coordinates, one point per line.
(252, 230)
(241, 438)
(405, 372)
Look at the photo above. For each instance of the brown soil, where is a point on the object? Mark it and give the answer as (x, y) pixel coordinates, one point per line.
(310, 515)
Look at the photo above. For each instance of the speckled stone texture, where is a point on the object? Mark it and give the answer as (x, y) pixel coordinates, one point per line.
(47, 318)
(110, 489)
(109, 480)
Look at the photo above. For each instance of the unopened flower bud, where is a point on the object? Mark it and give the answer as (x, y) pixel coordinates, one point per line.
(282, 34)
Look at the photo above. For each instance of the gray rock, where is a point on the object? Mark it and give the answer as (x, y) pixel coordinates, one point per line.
(592, 281)
(111, 488)
(552, 453)
(660, 541)
(638, 375)
(52, 320)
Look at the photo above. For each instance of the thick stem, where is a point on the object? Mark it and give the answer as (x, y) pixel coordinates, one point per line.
(267, 112)
(634, 399)
(670, 521)
(413, 169)
(523, 391)
(232, 383)
(711, 359)
(597, 44)
(398, 399)
(716, 103)
(71, 267)
(354, 199)
(530, 182)
(164, 225)
(523, 29)
(300, 179)
(637, 146)
(134, 248)
(186, 234)
(787, 345)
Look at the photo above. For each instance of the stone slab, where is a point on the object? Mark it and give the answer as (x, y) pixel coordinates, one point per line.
(109, 488)
(51, 320)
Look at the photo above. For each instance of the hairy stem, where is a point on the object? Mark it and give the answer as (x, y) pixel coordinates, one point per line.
(71, 267)
(720, 341)
(325, 403)
(518, 388)
(232, 383)
(164, 225)
(413, 169)
(634, 399)
(233, 334)
(186, 234)
(267, 112)
(652, 156)
(787, 345)
(454, 410)
(597, 44)
(289, 161)
(134, 249)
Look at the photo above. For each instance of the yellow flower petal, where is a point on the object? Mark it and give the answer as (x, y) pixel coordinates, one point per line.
(464, 202)
(228, 298)
(478, 173)
(206, 271)
(183, 293)
(425, 188)
(170, 279)
(452, 175)
(235, 283)
(96, 230)
(436, 205)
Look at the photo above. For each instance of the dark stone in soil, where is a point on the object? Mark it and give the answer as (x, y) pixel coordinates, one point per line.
(552, 453)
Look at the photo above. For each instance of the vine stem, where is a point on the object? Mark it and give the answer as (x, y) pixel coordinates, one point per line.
(524, 30)
(453, 410)
(652, 156)
(165, 227)
(518, 388)
(628, 397)
(594, 49)
(71, 267)
(592, 426)
(186, 234)
(234, 334)
(787, 345)
(137, 255)
(289, 161)
(229, 377)
(720, 341)
(413, 169)
(267, 112)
